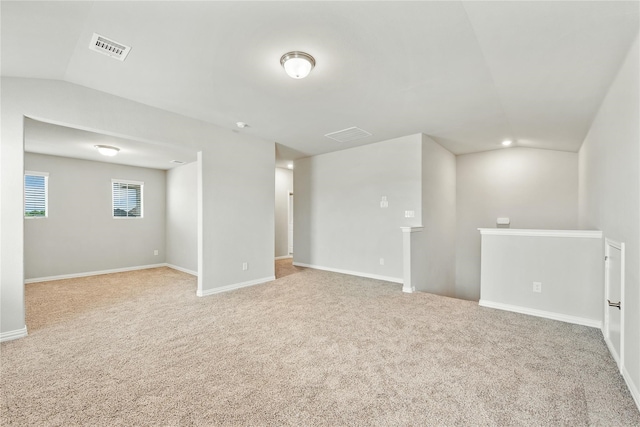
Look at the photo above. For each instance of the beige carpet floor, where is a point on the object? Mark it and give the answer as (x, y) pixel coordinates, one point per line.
(312, 348)
(284, 267)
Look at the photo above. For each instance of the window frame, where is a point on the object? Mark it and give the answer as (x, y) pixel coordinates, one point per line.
(113, 204)
(45, 175)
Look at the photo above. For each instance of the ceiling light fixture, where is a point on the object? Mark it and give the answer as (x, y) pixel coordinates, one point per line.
(242, 125)
(107, 150)
(298, 65)
(507, 142)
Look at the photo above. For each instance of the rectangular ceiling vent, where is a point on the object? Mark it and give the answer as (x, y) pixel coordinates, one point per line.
(349, 134)
(109, 47)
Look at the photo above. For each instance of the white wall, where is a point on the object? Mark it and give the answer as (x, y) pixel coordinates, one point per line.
(438, 218)
(535, 188)
(610, 191)
(567, 264)
(239, 213)
(284, 185)
(80, 234)
(339, 223)
(182, 217)
(237, 192)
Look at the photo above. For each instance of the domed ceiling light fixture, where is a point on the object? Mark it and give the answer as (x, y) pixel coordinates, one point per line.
(107, 150)
(297, 65)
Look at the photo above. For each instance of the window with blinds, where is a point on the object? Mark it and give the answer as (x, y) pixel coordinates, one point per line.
(36, 186)
(127, 198)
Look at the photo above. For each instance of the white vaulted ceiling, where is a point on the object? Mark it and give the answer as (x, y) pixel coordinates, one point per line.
(469, 74)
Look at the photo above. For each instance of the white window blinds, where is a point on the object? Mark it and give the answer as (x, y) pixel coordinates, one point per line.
(127, 198)
(35, 194)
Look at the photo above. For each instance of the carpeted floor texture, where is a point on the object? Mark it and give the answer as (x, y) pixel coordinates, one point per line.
(285, 267)
(310, 349)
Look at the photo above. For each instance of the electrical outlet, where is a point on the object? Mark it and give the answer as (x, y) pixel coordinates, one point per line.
(245, 265)
(409, 214)
(537, 287)
(383, 202)
(155, 252)
(381, 261)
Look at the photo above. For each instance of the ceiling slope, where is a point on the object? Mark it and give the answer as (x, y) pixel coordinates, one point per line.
(468, 74)
(552, 63)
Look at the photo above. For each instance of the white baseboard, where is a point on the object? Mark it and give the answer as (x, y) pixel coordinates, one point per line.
(612, 350)
(93, 273)
(541, 313)
(284, 257)
(13, 335)
(352, 273)
(632, 387)
(234, 286)
(184, 270)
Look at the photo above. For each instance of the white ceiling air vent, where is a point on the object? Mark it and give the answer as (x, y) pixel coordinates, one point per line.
(349, 134)
(109, 47)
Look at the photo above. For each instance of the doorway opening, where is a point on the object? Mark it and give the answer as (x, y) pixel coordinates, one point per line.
(284, 223)
(79, 224)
